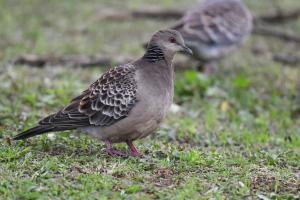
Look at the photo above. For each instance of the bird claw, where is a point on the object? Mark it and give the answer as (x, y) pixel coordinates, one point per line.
(135, 154)
(116, 153)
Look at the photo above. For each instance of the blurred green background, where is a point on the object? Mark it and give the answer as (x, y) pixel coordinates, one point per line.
(235, 134)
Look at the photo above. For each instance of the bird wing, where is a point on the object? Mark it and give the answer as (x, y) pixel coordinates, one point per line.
(215, 22)
(107, 101)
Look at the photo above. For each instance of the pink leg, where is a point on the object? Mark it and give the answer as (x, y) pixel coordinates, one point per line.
(133, 150)
(112, 152)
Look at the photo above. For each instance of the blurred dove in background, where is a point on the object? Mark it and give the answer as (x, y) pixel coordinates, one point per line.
(215, 28)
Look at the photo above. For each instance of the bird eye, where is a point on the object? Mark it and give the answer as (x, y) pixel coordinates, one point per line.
(172, 40)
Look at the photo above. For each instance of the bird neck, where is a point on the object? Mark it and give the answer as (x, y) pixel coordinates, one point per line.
(154, 54)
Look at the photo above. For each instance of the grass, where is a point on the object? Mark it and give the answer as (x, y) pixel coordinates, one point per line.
(236, 134)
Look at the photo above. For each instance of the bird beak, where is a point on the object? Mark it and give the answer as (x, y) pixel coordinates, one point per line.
(187, 50)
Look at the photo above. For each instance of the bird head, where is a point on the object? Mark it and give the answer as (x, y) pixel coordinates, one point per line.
(169, 41)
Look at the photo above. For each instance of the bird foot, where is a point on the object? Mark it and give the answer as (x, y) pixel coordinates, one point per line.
(136, 154)
(133, 150)
(115, 153)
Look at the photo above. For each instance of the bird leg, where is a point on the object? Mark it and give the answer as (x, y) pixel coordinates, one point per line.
(113, 152)
(133, 150)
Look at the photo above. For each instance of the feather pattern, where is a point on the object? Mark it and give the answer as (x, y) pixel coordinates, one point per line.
(154, 54)
(107, 100)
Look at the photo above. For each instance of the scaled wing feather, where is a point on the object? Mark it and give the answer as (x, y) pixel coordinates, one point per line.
(107, 101)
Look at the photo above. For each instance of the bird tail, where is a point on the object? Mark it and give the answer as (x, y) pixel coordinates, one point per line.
(38, 130)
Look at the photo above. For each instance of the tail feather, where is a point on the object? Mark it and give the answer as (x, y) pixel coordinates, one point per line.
(33, 132)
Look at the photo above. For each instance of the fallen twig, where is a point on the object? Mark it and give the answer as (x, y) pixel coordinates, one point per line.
(142, 13)
(165, 14)
(81, 61)
(270, 31)
(71, 60)
(278, 17)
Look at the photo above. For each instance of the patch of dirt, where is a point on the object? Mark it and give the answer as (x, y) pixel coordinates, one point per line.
(66, 150)
(266, 181)
(163, 177)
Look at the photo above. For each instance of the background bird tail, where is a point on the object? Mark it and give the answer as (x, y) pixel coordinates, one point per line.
(33, 132)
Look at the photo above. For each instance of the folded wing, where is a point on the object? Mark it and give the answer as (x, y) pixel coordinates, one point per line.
(107, 101)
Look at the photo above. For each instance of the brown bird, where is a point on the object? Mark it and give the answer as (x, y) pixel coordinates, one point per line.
(126, 103)
(215, 28)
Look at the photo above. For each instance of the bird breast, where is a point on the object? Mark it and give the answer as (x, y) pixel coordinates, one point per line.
(155, 91)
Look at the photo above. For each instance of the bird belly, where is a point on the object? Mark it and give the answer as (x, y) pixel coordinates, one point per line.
(141, 121)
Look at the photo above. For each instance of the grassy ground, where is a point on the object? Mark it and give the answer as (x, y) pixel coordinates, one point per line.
(236, 134)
